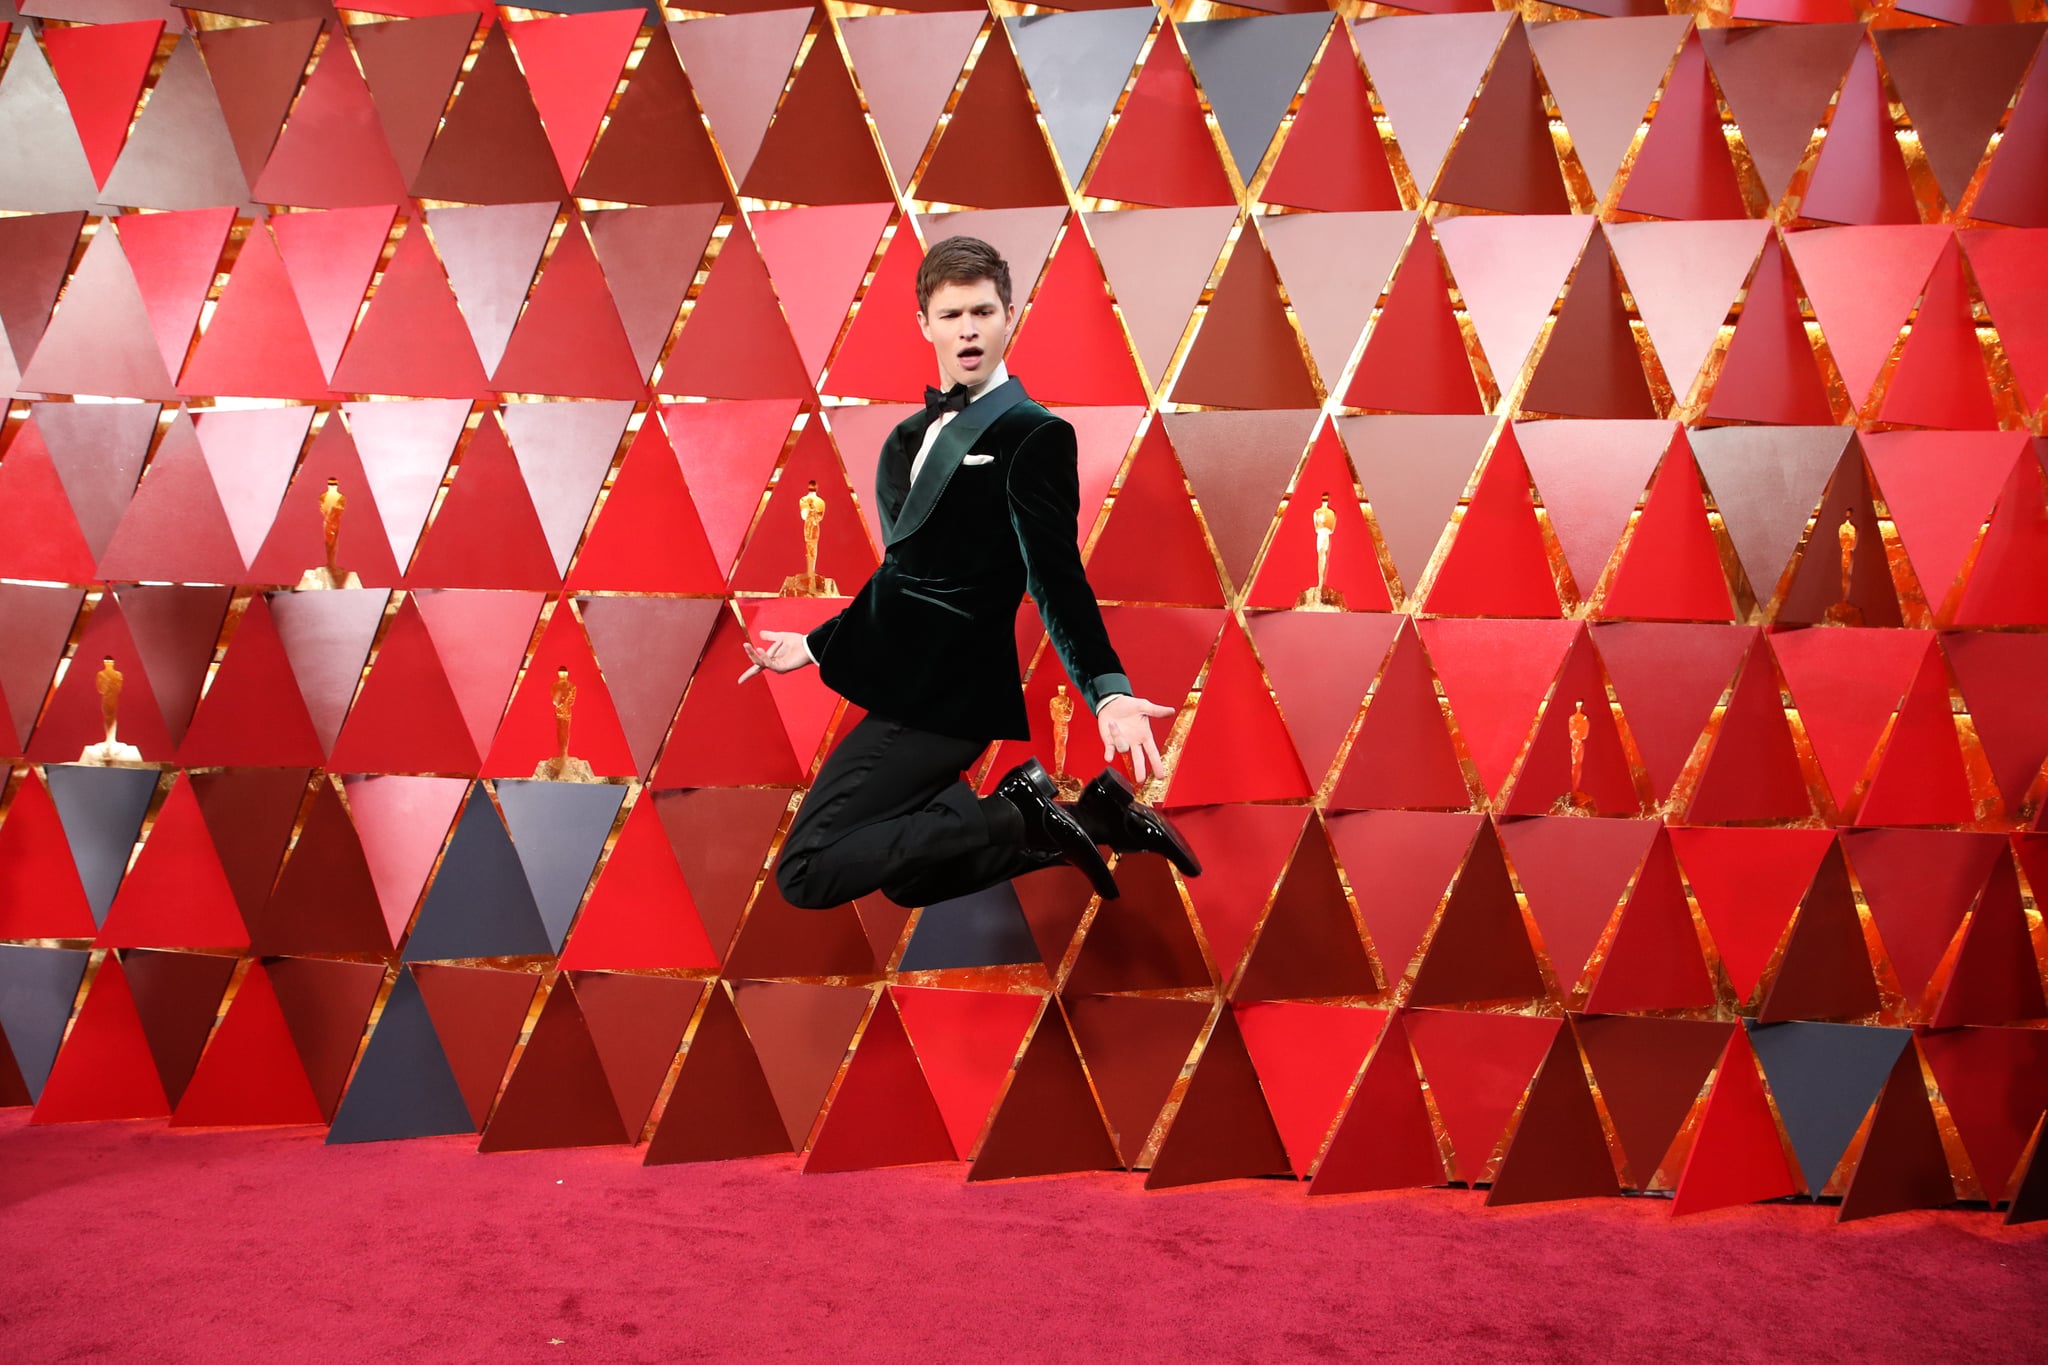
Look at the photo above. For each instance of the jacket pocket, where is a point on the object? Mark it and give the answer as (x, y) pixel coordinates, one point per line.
(961, 612)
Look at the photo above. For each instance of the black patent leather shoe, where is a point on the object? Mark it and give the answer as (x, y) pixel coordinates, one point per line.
(1049, 829)
(1109, 805)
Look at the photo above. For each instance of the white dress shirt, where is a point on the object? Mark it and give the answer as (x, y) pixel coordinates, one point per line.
(931, 433)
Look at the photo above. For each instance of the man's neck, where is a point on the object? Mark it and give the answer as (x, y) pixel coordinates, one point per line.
(994, 377)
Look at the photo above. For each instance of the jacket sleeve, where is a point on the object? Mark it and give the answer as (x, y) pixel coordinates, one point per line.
(821, 636)
(1045, 505)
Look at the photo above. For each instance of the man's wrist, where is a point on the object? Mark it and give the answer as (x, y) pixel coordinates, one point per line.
(1104, 688)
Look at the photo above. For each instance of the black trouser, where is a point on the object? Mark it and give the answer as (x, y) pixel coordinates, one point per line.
(891, 813)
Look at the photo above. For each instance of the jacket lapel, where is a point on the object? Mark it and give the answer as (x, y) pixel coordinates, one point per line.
(892, 472)
(954, 439)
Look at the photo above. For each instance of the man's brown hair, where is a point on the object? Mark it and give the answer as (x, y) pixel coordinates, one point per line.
(962, 260)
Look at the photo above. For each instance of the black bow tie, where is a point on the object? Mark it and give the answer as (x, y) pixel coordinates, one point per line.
(952, 400)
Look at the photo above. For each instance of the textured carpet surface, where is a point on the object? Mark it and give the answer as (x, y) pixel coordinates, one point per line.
(128, 1241)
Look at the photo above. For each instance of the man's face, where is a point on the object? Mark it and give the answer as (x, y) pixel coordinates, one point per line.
(968, 327)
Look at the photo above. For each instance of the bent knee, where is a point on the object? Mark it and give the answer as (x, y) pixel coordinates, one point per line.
(800, 886)
(904, 895)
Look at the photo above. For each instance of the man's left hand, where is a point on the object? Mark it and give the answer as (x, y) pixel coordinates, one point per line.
(1126, 726)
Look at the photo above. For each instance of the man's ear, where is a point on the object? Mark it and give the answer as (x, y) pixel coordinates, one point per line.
(924, 326)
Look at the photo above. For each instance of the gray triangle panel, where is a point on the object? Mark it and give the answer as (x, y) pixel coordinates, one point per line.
(102, 810)
(179, 153)
(99, 450)
(404, 1086)
(42, 163)
(985, 929)
(37, 986)
(1824, 1078)
(1766, 480)
(654, 18)
(558, 830)
(1250, 69)
(1077, 65)
(480, 904)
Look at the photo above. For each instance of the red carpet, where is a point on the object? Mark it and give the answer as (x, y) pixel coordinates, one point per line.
(130, 1241)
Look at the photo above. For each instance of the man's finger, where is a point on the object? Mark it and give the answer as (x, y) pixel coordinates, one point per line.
(1144, 756)
(750, 672)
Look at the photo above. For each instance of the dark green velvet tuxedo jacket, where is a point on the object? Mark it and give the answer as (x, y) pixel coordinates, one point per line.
(930, 639)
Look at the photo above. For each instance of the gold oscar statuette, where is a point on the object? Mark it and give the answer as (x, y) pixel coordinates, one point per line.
(563, 768)
(1322, 597)
(1579, 727)
(333, 502)
(810, 583)
(1062, 707)
(1845, 612)
(109, 750)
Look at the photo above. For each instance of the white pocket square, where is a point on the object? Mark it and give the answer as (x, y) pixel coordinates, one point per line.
(977, 459)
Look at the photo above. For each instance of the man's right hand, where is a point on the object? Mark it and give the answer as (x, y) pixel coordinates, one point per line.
(781, 651)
